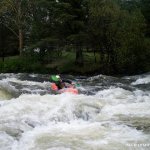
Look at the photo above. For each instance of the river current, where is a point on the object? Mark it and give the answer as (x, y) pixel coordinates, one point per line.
(110, 113)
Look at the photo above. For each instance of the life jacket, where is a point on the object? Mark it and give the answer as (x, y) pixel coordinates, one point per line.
(54, 87)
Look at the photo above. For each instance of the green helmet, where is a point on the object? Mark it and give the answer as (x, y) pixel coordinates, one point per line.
(55, 78)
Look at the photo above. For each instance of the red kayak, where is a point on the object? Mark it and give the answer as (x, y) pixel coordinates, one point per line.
(70, 89)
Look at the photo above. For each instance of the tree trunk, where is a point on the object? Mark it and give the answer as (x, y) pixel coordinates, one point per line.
(95, 60)
(20, 41)
(102, 56)
(79, 56)
(113, 61)
(3, 56)
(2, 42)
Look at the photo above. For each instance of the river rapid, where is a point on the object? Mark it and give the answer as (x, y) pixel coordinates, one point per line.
(110, 113)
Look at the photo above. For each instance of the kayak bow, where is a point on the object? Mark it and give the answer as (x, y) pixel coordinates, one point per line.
(71, 90)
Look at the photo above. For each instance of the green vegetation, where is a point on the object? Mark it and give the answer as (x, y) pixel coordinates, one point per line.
(75, 36)
(18, 64)
(62, 64)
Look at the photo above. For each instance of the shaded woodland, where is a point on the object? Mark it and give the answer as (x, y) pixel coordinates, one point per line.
(41, 31)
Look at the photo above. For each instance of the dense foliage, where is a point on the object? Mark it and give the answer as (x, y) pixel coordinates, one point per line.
(41, 31)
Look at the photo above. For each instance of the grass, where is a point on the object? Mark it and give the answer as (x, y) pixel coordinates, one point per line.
(60, 64)
(66, 63)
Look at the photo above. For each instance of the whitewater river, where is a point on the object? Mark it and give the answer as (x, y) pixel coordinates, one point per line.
(110, 113)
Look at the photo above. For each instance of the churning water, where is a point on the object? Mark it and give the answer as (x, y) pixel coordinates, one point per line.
(109, 113)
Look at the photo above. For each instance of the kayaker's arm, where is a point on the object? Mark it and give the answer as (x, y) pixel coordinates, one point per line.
(67, 81)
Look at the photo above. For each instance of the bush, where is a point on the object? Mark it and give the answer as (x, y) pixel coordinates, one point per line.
(20, 65)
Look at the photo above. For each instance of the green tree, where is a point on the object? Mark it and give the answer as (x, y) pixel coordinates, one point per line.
(132, 54)
(145, 7)
(8, 42)
(117, 33)
(44, 27)
(73, 19)
(15, 13)
(104, 16)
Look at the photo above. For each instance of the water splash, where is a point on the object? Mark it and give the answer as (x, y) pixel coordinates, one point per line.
(103, 116)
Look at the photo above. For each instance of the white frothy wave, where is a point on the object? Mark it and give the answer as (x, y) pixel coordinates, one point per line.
(67, 121)
(107, 120)
(144, 80)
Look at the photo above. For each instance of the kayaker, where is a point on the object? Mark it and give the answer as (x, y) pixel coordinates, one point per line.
(60, 83)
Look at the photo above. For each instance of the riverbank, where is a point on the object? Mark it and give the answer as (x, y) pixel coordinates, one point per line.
(63, 64)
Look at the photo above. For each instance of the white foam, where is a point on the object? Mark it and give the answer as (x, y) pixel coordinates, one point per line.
(79, 135)
(115, 96)
(6, 141)
(145, 80)
(66, 121)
